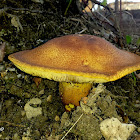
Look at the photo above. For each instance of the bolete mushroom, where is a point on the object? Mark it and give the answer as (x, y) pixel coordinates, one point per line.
(76, 61)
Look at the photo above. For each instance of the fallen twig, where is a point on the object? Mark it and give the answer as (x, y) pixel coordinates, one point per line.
(13, 124)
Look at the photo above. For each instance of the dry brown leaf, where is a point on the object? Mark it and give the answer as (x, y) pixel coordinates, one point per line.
(37, 81)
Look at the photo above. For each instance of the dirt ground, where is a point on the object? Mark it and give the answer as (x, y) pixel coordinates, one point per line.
(28, 24)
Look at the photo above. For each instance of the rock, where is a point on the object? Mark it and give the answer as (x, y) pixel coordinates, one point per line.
(33, 111)
(41, 92)
(113, 129)
(65, 120)
(57, 118)
(138, 129)
(2, 68)
(49, 98)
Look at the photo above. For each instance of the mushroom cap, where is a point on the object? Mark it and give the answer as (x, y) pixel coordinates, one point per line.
(77, 58)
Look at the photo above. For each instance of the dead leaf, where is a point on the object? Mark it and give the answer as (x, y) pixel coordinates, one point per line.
(37, 81)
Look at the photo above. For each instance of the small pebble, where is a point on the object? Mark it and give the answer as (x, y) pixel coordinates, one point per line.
(41, 92)
(23, 113)
(49, 98)
(57, 118)
(137, 101)
(1, 68)
(138, 129)
(11, 69)
(19, 75)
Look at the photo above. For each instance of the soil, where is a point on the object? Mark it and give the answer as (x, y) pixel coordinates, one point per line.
(28, 24)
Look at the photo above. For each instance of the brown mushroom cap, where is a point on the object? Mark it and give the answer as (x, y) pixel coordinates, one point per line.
(77, 58)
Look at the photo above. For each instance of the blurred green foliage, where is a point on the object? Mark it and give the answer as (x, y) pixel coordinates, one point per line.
(104, 2)
(138, 42)
(128, 39)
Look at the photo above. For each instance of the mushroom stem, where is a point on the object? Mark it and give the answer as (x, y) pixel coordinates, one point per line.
(72, 93)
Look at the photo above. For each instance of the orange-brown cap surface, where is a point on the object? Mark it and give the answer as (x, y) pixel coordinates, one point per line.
(77, 58)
